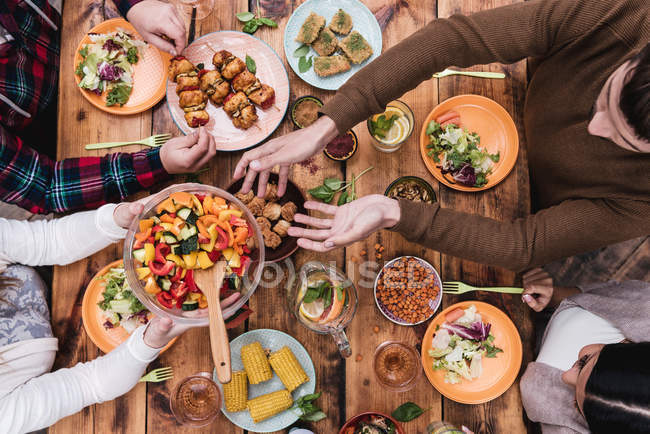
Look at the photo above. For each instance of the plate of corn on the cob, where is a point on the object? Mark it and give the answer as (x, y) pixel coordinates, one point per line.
(270, 372)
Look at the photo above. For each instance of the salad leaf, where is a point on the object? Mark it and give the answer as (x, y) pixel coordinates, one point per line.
(478, 330)
(301, 51)
(84, 51)
(250, 64)
(408, 411)
(118, 95)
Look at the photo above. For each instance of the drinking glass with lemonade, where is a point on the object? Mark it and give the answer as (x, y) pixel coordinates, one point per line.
(391, 128)
(324, 300)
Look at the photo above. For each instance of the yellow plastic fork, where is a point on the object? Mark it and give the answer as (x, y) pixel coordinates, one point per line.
(462, 288)
(153, 141)
(158, 375)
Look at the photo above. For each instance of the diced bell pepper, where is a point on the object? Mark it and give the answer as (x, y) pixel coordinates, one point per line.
(166, 205)
(225, 214)
(142, 272)
(149, 253)
(145, 224)
(204, 260)
(176, 259)
(190, 259)
(182, 199)
(151, 286)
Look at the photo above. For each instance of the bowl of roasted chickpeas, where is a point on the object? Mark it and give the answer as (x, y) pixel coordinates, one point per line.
(274, 215)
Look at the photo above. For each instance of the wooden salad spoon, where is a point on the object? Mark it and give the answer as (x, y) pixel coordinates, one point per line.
(210, 281)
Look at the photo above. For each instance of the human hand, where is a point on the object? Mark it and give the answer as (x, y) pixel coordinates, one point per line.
(159, 24)
(161, 330)
(186, 154)
(291, 148)
(352, 222)
(538, 289)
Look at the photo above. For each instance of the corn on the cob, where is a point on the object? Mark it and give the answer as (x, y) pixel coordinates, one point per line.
(235, 393)
(255, 363)
(285, 364)
(269, 405)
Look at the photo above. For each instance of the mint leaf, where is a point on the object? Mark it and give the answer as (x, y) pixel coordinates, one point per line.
(245, 16)
(250, 64)
(268, 22)
(301, 51)
(304, 64)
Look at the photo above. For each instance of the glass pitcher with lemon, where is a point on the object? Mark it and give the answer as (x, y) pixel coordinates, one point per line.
(391, 128)
(324, 300)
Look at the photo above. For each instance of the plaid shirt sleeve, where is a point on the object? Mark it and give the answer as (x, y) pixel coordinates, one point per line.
(40, 185)
(125, 5)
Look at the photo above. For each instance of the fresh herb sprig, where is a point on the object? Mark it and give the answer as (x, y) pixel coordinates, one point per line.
(304, 62)
(408, 411)
(250, 64)
(381, 126)
(252, 21)
(309, 411)
(323, 291)
(331, 186)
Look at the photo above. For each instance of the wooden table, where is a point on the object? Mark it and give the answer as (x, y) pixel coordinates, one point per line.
(348, 385)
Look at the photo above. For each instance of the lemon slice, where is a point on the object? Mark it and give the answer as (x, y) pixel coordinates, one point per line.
(395, 134)
(313, 311)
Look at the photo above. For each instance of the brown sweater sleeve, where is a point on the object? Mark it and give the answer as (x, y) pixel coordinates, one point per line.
(505, 35)
(572, 227)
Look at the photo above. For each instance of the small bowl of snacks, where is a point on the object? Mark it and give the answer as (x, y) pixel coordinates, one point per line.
(371, 422)
(342, 147)
(304, 111)
(412, 188)
(408, 290)
(187, 227)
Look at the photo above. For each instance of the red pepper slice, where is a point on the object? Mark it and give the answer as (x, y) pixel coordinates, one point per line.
(176, 277)
(157, 228)
(161, 269)
(203, 240)
(179, 302)
(268, 103)
(222, 239)
(162, 250)
(214, 255)
(245, 260)
(151, 240)
(227, 98)
(246, 249)
(178, 290)
(237, 221)
(200, 196)
(138, 244)
(189, 280)
(165, 299)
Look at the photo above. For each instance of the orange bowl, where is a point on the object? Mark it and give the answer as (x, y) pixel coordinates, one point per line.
(498, 373)
(105, 339)
(493, 124)
(149, 74)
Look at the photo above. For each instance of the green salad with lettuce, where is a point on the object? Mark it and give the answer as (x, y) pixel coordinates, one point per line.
(120, 306)
(107, 65)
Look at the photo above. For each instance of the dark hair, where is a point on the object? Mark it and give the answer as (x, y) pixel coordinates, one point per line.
(635, 96)
(617, 393)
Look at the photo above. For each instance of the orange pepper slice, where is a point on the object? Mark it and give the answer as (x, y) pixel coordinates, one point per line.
(145, 224)
(208, 220)
(142, 236)
(226, 226)
(166, 218)
(202, 230)
(241, 233)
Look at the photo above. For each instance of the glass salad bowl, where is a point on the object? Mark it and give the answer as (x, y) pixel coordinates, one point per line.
(245, 285)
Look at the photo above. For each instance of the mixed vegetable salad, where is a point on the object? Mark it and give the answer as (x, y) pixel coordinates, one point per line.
(456, 151)
(107, 65)
(191, 231)
(120, 306)
(460, 344)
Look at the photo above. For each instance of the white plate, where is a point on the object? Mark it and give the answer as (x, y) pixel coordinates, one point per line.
(270, 70)
(363, 21)
(272, 340)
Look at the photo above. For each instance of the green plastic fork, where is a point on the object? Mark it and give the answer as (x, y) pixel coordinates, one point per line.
(462, 288)
(153, 141)
(158, 375)
(480, 74)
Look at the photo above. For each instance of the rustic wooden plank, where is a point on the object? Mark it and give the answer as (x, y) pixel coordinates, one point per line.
(269, 302)
(363, 390)
(508, 200)
(80, 123)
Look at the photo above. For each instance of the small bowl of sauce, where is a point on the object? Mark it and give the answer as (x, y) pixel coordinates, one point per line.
(342, 147)
(397, 366)
(304, 111)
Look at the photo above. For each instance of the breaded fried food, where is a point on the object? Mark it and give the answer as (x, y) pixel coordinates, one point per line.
(192, 100)
(356, 47)
(310, 28)
(326, 43)
(271, 239)
(197, 118)
(271, 194)
(325, 66)
(272, 211)
(288, 211)
(186, 82)
(281, 228)
(180, 66)
(256, 206)
(263, 223)
(341, 23)
(245, 198)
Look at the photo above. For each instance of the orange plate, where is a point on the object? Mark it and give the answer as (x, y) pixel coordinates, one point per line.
(498, 373)
(492, 123)
(149, 74)
(270, 70)
(92, 316)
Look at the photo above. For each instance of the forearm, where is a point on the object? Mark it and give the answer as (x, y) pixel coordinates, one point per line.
(44, 400)
(560, 293)
(567, 229)
(505, 34)
(59, 241)
(125, 5)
